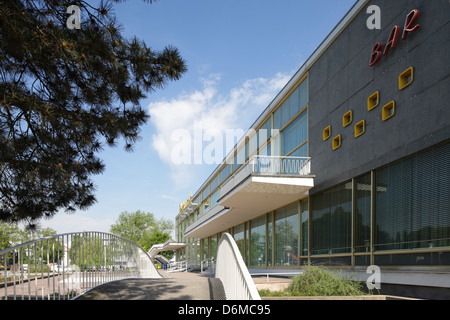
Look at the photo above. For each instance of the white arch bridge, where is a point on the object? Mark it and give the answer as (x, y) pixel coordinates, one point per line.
(68, 266)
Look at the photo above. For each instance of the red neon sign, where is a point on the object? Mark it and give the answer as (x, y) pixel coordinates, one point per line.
(410, 26)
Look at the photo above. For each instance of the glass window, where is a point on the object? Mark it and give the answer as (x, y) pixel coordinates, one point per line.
(214, 198)
(277, 123)
(286, 112)
(275, 141)
(286, 236)
(258, 241)
(266, 150)
(225, 173)
(269, 239)
(215, 183)
(235, 164)
(253, 145)
(205, 249)
(239, 237)
(304, 220)
(194, 250)
(292, 106)
(331, 220)
(213, 242)
(303, 94)
(205, 192)
(412, 201)
(265, 131)
(295, 134)
(207, 205)
(241, 156)
(362, 214)
(301, 151)
(414, 259)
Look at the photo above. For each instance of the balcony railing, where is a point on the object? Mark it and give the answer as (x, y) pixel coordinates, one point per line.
(64, 266)
(268, 166)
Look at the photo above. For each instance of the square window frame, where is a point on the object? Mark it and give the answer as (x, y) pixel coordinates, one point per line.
(370, 104)
(347, 118)
(326, 133)
(402, 84)
(336, 142)
(385, 113)
(358, 132)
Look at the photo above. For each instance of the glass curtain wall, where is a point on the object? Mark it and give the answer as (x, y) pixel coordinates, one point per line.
(258, 241)
(405, 205)
(286, 235)
(239, 237)
(269, 258)
(291, 119)
(294, 134)
(362, 221)
(331, 220)
(413, 201)
(408, 202)
(213, 245)
(206, 253)
(304, 223)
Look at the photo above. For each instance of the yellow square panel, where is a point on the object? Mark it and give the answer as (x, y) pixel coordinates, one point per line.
(347, 118)
(326, 133)
(360, 128)
(388, 111)
(406, 78)
(336, 142)
(373, 101)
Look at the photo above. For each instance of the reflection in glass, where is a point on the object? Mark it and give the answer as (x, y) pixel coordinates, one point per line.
(258, 241)
(286, 236)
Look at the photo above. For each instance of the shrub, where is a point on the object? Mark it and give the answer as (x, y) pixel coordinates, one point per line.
(317, 281)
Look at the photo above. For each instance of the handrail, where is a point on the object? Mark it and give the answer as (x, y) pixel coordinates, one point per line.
(268, 166)
(178, 266)
(232, 271)
(64, 266)
(206, 264)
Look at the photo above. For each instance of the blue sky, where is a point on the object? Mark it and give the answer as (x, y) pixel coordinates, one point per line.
(240, 54)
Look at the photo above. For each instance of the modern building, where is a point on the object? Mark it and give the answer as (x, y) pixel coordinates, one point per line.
(349, 165)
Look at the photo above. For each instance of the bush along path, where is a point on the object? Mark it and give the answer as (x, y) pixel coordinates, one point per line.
(318, 281)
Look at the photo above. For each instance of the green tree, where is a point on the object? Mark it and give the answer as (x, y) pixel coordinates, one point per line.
(9, 235)
(49, 250)
(155, 238)
(65, 94)
(142, 227)
(90, 251)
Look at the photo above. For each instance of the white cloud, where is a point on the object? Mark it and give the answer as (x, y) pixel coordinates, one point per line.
(207, 112)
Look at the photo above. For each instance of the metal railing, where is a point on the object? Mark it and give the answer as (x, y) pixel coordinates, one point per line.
(271, 165)
(268, 166)
(156, 248)
(208, 264)
(61, 267)
(178, 266)
(232, 271)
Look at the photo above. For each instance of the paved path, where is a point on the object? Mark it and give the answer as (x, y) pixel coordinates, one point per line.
(175, 286)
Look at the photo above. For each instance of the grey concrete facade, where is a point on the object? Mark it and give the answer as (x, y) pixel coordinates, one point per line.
(342, 80)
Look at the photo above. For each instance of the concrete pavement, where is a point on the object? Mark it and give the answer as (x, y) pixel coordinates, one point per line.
(174, 286)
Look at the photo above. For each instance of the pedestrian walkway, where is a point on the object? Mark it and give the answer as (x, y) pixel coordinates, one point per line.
(174, 286)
